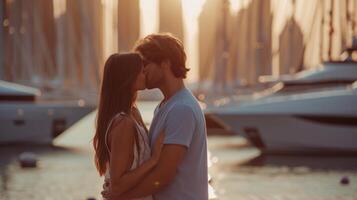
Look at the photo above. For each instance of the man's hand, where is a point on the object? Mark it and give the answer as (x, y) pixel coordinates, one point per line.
(162, 175)
(107, 194)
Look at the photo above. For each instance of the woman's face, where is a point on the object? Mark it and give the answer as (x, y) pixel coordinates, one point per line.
(139, 84)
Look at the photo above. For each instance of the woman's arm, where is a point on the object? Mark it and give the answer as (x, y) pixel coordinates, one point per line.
(122, 141)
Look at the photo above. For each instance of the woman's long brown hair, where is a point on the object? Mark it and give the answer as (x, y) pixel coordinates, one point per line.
(116, 95)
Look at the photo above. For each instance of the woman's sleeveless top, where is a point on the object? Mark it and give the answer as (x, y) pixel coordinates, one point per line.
(144, 147)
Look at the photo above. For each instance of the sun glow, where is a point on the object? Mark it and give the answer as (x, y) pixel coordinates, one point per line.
(110, 29)
(191, 12)
(236, 5)
(59, 8)
(149, 17)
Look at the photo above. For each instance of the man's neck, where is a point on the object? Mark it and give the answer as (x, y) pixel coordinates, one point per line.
(171, 88)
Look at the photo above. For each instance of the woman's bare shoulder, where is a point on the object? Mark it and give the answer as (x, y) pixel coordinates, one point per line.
(123, 126)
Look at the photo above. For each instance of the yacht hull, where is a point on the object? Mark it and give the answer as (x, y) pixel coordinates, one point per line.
(295, 133)
(37, 123)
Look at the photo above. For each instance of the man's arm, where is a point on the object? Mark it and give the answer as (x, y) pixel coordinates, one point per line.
(162, 174)
(179, 130)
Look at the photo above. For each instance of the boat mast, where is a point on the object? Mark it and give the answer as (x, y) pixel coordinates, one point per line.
(225, 53)
(322, 32)
(331, 31)
(2, 25)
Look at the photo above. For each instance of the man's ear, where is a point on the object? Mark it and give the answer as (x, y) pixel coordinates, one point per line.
(166, 64)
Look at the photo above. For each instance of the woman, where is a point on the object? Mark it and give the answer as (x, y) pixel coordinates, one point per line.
(121, 142)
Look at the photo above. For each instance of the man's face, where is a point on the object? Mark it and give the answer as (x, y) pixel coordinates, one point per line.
(154, 74)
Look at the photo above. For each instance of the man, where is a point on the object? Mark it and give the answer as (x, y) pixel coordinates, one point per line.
(181, 173)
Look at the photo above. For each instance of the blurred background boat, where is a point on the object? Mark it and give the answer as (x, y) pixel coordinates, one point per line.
(314, 110)
(309, 121)
(25, 118)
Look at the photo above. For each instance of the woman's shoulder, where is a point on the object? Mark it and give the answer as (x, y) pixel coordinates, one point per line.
(122, 120)
(122, 125)
(121, 133)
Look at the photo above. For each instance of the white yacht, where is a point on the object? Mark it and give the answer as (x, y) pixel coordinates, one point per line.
(315, 110)
(25, 119)
(309, 121)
